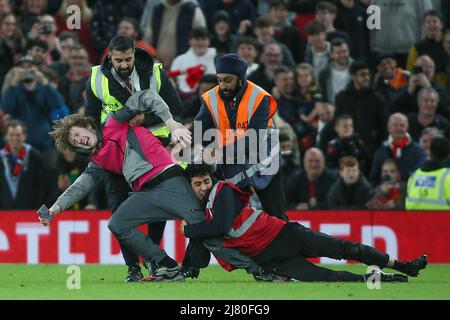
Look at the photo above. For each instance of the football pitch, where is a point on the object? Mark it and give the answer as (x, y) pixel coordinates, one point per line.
(106, 282)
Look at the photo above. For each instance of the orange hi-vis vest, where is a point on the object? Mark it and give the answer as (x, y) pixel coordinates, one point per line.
(249, 103)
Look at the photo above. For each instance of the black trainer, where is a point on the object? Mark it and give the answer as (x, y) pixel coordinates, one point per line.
(269, 278)
(178, 277)
(190, 272)
(166, 271)
(388, 277)
(151, 268)
(134, 274)
(413, 267)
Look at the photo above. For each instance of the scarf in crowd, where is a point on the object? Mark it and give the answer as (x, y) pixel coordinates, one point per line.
(18, 165)
(398, 145)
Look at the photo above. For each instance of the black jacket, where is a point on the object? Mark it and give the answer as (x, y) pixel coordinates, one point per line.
(297, 189)
(144, 66)
(369, 113)
(34, 185)
(353, 197)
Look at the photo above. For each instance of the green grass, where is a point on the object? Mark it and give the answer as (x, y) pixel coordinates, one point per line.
(106, 282)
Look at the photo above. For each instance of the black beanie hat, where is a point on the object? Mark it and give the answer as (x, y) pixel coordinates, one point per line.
(231, 63)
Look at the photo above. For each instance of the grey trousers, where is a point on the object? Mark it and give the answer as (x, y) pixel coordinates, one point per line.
(170, 200)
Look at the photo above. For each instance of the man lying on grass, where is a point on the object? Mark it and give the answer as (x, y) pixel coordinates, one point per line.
(278, 246)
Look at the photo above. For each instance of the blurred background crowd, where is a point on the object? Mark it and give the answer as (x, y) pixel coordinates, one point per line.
(346, 94)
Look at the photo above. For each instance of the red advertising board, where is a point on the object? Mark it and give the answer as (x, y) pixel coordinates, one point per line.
(78, 237)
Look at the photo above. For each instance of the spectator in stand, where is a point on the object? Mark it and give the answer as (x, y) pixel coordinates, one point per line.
(428, 101)
(70, 166)
(284, 31)
(308, 93)
(106, 18)
(222, 39)
(326, 14)
(30, 12)
(446, 43)
(271, 58)
(84, 33)
(4, 120)
(351, 18)
(171, 23)
(248, 48)
(5, 7)
(39, 51)
(347, 143)
(431, 45)
(199, 55)
(45, 30)
(308, 188)
(422, 77)
(425, 140)
(239, 11)
(351, 191)
(389, 78)
(37, 104)
(23, 174)
(367, 108)
(12, 43)
(66, 41)
(288, 103)
(129, 27)
(325, 129)
(265, 34)
(73, 84)
(390, 194)
(288, 162)
(192, 106)
(402, 27)
(336, 76)
(399, 146)
(318, 51)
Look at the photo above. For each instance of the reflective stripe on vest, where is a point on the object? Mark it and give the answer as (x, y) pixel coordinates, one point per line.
(255, 167)
(435, 197)
(235, 233)
(100, 88)
(249, 103)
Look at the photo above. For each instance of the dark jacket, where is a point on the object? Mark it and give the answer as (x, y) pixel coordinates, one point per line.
(238, 11)
(184, 25)
(412, 158)
(259, 77)
(33, 185)
(339, 148)
(144, 66)
(325, 81)
(297, 189)
(415, 128)
(349, 197)
(353, 21)
(37, 109)
(369, 113)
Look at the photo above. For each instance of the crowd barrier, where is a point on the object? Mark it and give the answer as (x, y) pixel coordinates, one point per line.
(80, 237)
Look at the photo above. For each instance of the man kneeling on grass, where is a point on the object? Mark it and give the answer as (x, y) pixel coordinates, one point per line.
(278, 246)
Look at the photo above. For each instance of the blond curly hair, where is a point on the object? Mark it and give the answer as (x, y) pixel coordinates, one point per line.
(61, 130)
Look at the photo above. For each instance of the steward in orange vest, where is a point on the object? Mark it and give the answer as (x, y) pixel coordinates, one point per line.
(233, 108)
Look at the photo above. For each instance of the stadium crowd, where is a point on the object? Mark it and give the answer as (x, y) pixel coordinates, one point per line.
(357, 108)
